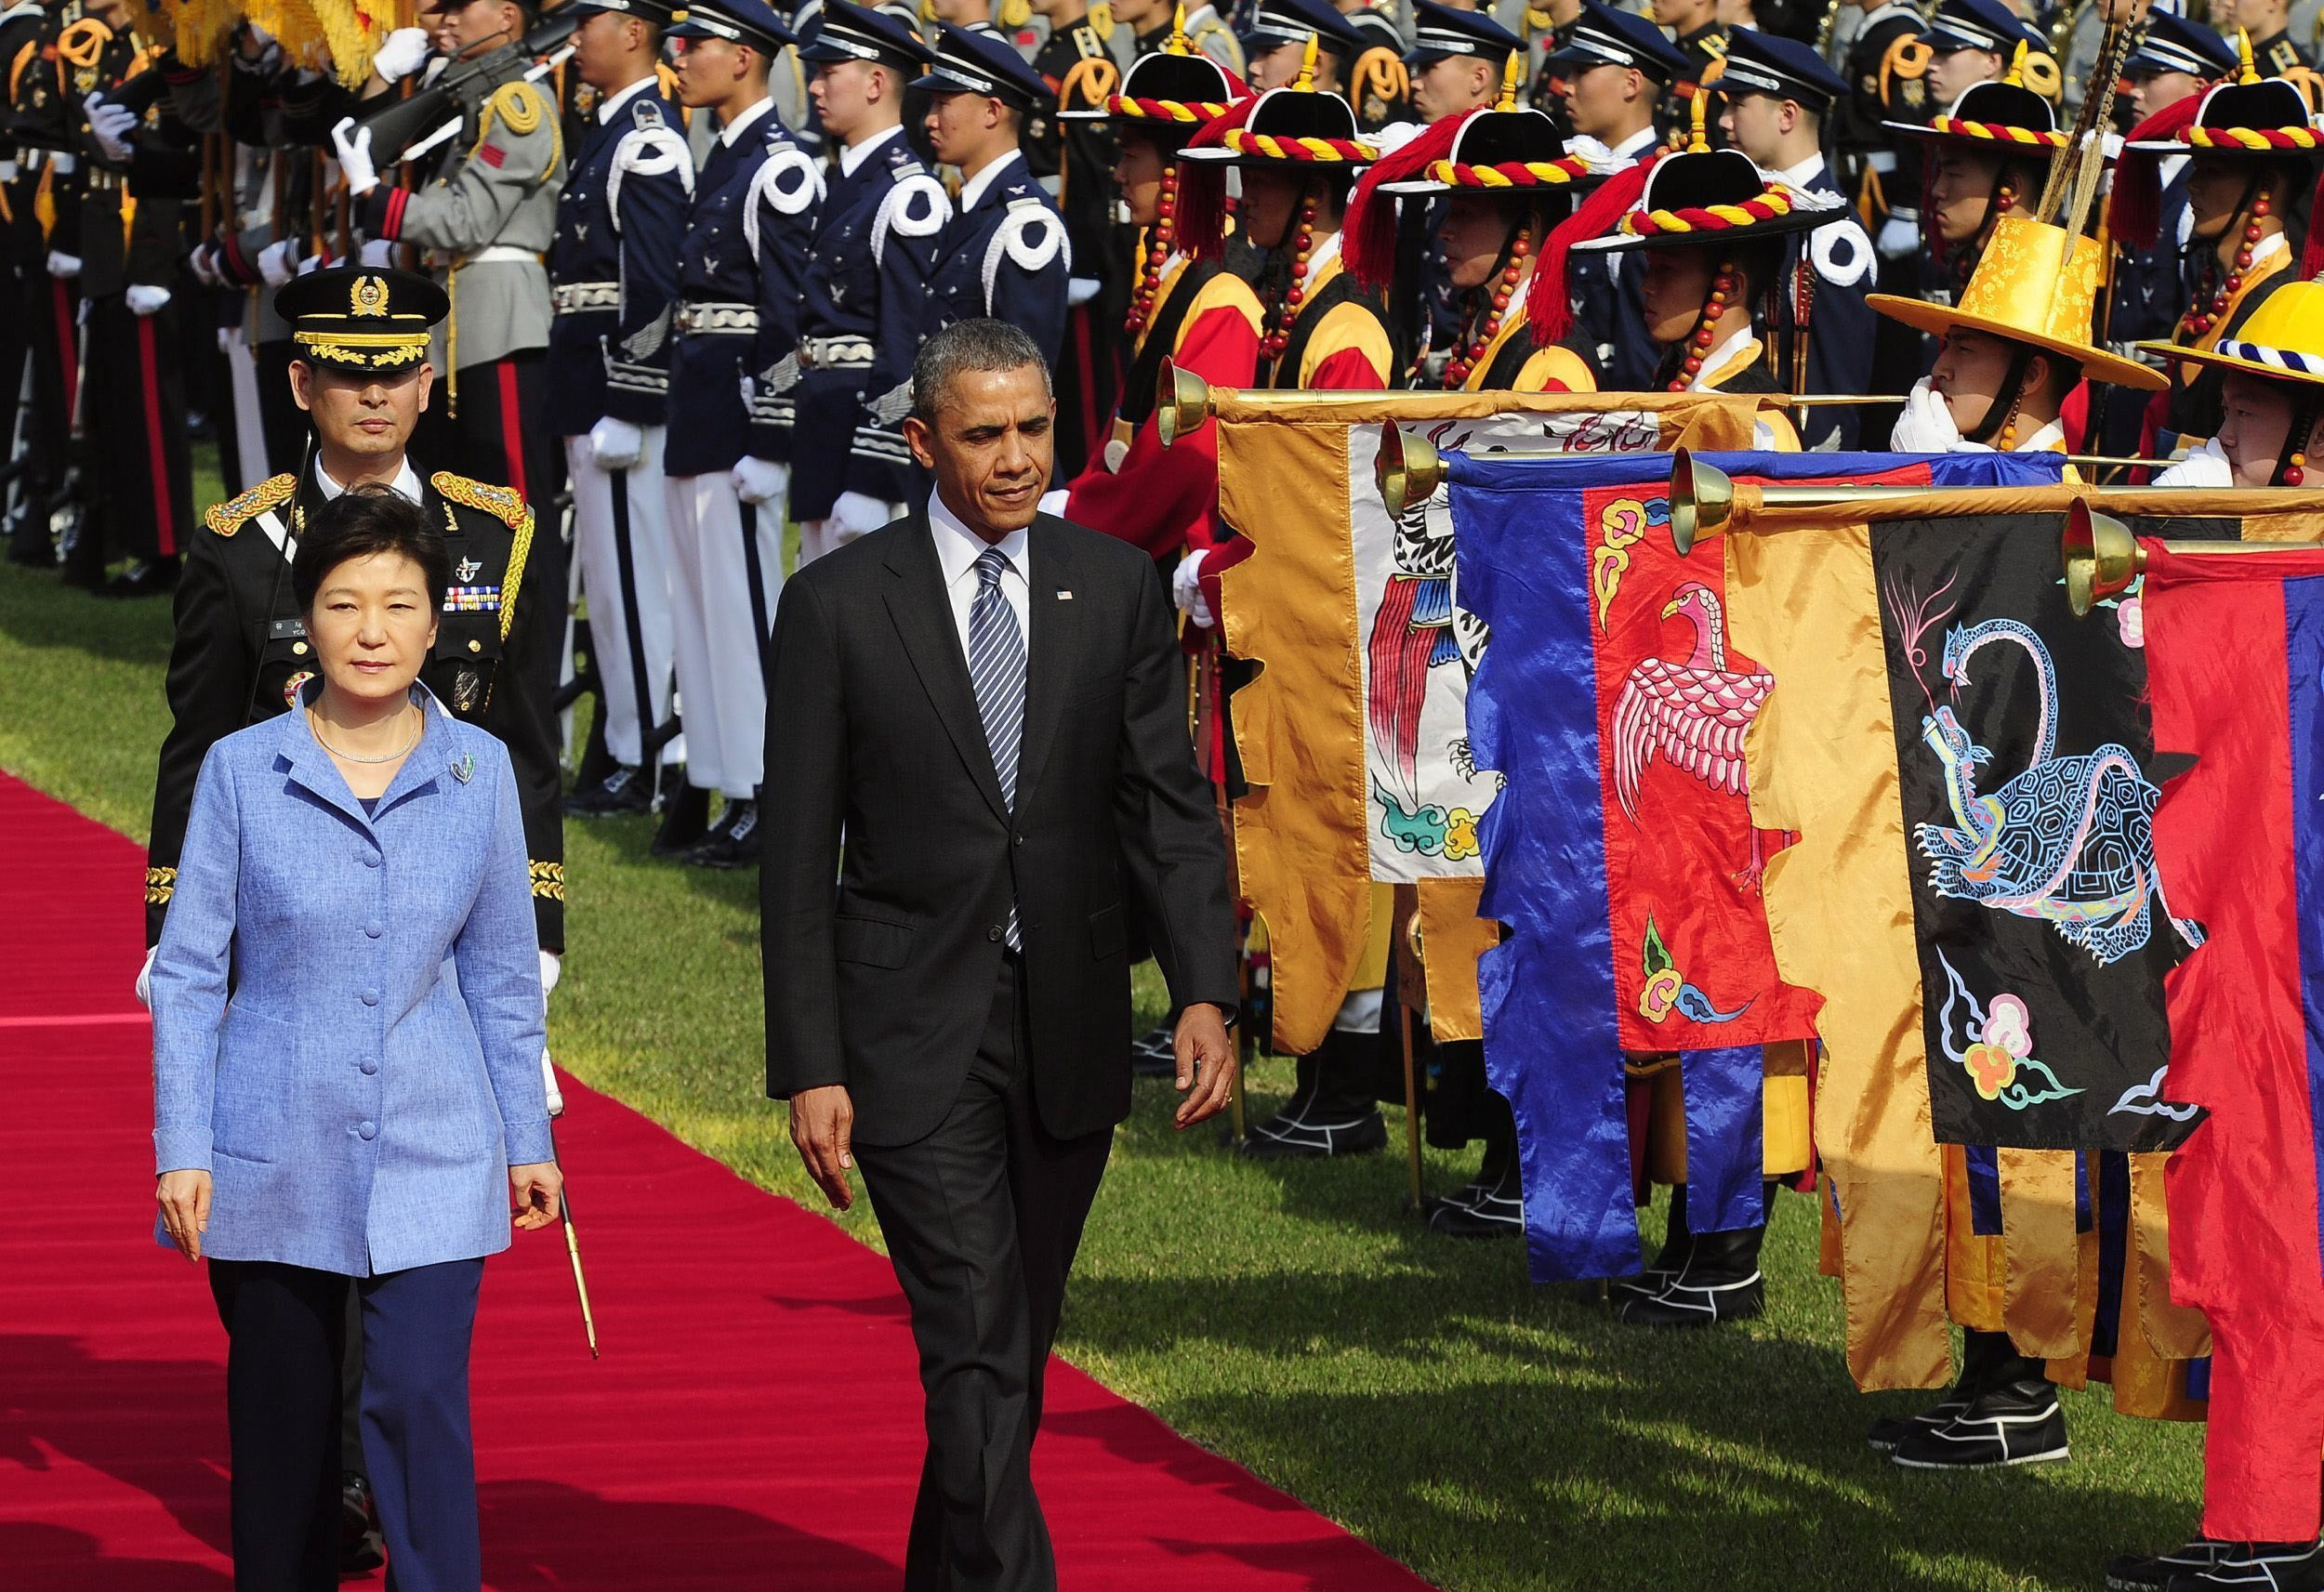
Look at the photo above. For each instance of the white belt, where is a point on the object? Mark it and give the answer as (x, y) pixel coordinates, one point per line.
(573, 297)
(503, 253)
(834, 353)
(707, 319)
(1882, 161)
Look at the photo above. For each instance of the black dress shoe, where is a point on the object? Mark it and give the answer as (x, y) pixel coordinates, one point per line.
(1156, 1055)
(1720, 1281)
(2152, 1571)
(735, 844)
(2016, 1423)
(1884, 1435)
(1493, 1206)
(362, 1547)
(624, 790)
(2259, 1567)
(157, 578)
(685, 817)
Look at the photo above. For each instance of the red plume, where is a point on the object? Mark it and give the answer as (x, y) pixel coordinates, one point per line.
(2134, 212)
(1549, 310)
(1201, 231)
(1367, 238)
(2312, 253)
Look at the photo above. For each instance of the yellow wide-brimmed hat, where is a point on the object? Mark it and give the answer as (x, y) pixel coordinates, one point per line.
(2035, 283)
(2283, 340)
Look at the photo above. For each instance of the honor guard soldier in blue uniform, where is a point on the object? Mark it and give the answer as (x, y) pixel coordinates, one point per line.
(1275, 42)
(613, 281)
(1777, 92)
(2176, 61)
(726, 553)
(1004, 252)
(1616, 66)
(865, 284)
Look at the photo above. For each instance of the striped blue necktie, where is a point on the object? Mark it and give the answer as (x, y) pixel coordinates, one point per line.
(997, 669)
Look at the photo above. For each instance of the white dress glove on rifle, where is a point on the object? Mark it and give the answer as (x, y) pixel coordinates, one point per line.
(760, 480)
(279, 262)
(1926, 426)
(198, 262)
(616, 444)
(145, 978)
(145, 299)
(400, 53)
(2206, 466)
(857, 512)
(1187, 591)
(377, 252)
(1899, 236)
(63, 266)
(114, 127)
(353, 144)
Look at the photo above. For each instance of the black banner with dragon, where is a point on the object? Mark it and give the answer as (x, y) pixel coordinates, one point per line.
(2025, 760)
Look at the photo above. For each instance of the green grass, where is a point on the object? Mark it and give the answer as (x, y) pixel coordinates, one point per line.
(1492, 1435)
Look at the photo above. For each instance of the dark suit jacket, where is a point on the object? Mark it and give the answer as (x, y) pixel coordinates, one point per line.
(884, 983)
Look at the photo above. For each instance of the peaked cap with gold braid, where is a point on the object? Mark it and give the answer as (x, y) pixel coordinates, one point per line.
(369, 319)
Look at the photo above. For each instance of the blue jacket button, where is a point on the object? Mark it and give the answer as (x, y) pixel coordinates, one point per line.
(371, 858)
(367, 1130)
(371, 1066)
(371, 997)
(375, 929)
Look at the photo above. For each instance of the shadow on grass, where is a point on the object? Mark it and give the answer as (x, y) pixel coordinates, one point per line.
(38, 611)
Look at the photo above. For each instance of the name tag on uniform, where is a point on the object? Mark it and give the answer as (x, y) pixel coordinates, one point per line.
(472, 599)
(286, 629)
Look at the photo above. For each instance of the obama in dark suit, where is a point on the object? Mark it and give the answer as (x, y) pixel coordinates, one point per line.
(989, 704)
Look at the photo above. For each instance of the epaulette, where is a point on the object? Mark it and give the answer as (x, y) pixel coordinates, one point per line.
(500, 502)
(235, 512)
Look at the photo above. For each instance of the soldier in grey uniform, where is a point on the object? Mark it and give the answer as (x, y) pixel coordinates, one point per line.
(486, 221)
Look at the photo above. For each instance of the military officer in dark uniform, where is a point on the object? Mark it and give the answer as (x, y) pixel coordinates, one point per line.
(728, 553)
(23, 265)
(41, 119)
(2176, 61)
(1379, 85)
(1886, 83)
(612, 282)
(1779, 92)
(1073, 159)
(2269, 23)
(1616, 68)
(240, 649)
(1702, 39)
(1004, 252)
(863, 288)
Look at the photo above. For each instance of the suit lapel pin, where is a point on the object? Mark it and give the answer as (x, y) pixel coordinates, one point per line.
(469, 570)
(464, 766)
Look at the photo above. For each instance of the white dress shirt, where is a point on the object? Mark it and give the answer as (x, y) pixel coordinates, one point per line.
(608, 106)
(855, 155)
(956, 551)
(979, 185)
(744, 121)
(405, 484)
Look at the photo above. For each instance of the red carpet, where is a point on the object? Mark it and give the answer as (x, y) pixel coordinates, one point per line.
(755, 1422)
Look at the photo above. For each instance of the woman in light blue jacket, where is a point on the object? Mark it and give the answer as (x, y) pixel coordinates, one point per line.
(347, 1026)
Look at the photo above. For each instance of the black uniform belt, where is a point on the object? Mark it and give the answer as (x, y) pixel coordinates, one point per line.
(575, 297)
(709, 318)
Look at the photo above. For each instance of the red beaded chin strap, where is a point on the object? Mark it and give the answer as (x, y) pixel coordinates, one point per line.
(2192, 324)
(1159, 238)
(1722, 288)
(1302, 244)
(1457, 371)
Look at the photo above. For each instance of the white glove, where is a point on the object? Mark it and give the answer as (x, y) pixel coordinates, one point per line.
(1187, 591)
(760, 480)
(1926, 426)
(145, 977)
(1080, 290)
(748, 383)
(145, 299)
(1054, 502)
(279, 262)
(111, 126)
(353, 144)
(552, 966)
(399, 54)
(1899, 236)
(64, 266)
(857, 512)
(616, 444)
(313, 263)
(2206, 466)
(199, 263)
(549, 1083)
(377, 252)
